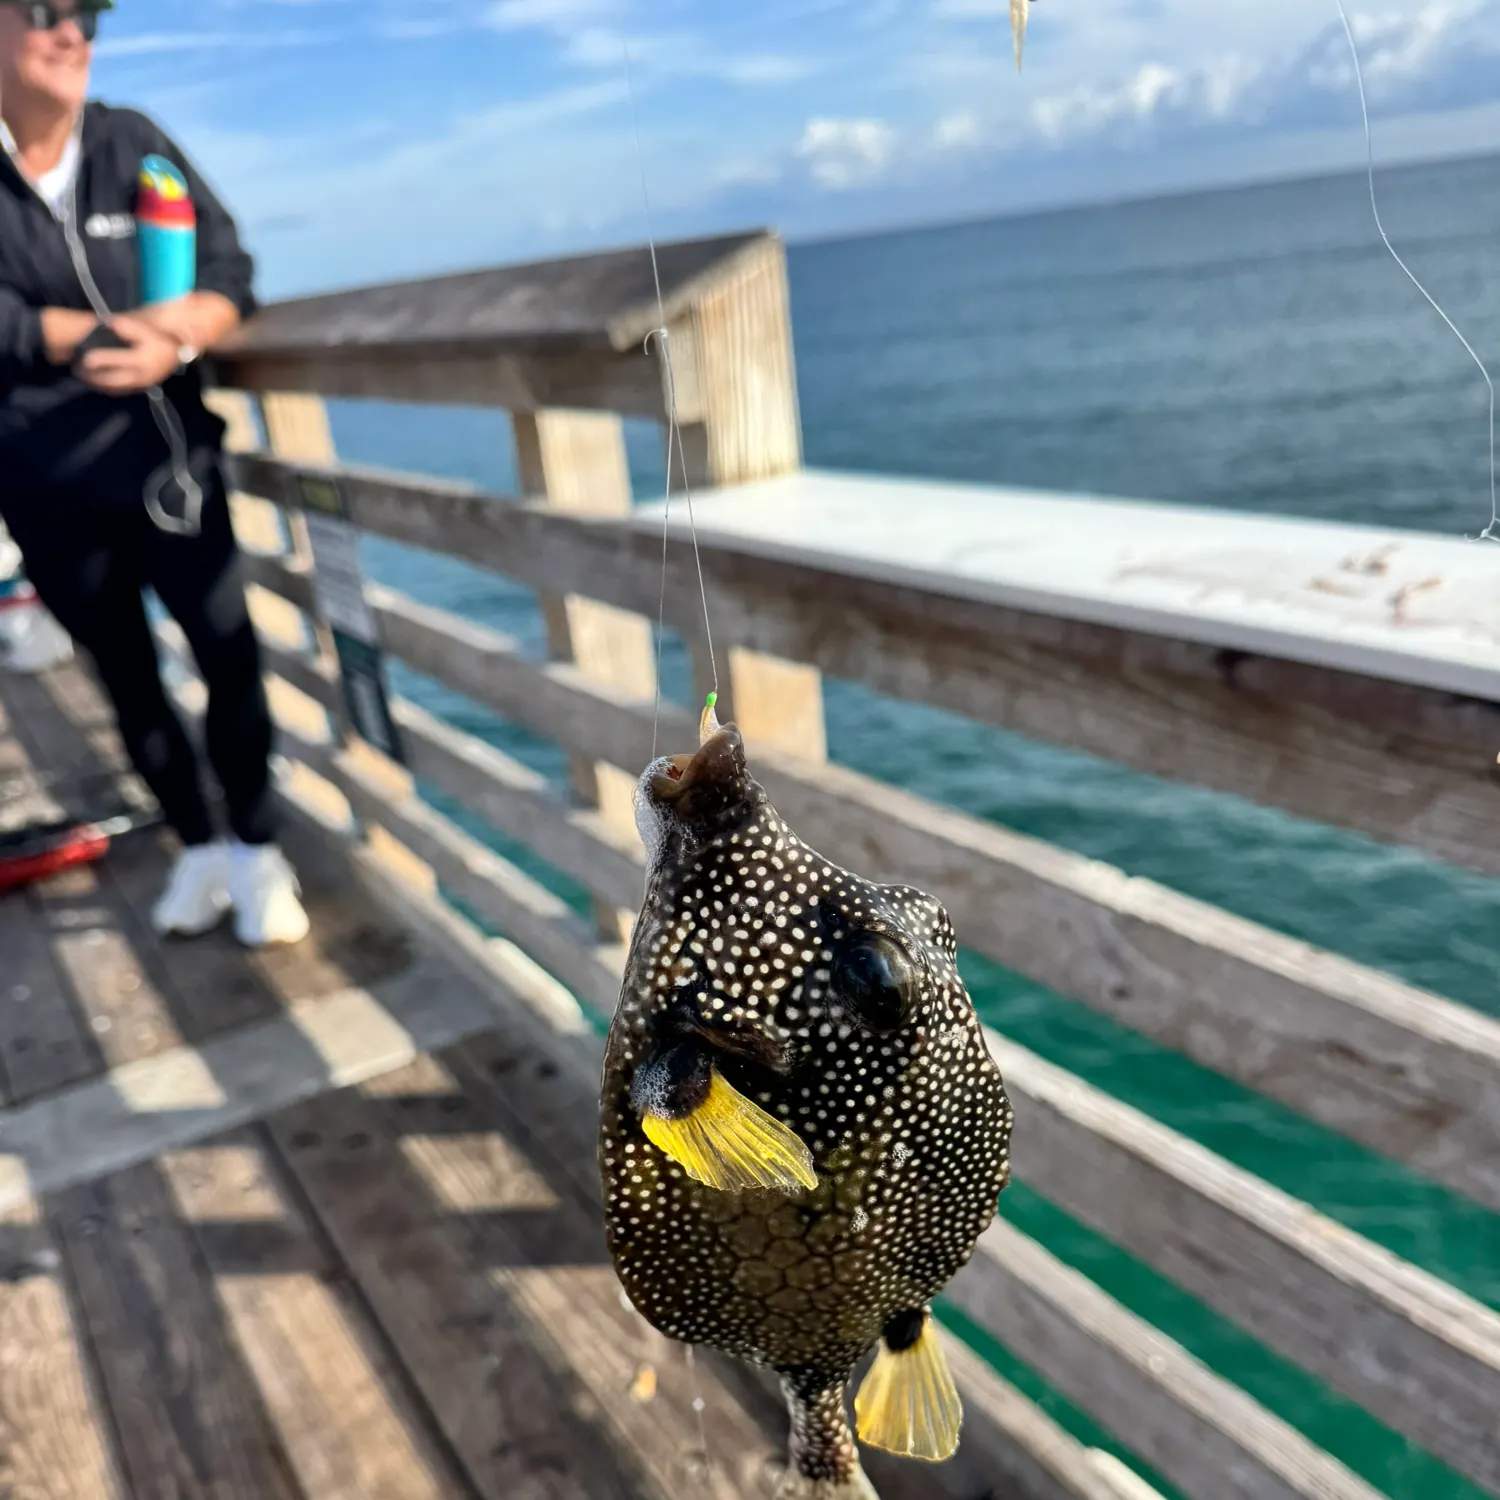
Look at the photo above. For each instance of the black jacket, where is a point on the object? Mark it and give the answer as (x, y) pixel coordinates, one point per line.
(62, 442)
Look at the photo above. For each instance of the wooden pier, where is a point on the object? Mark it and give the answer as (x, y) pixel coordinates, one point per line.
(325, 1223)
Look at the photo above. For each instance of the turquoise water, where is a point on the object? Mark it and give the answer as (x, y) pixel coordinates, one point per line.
(1255, 350)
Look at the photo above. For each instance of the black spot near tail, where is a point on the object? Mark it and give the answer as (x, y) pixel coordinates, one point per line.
(904, 1329)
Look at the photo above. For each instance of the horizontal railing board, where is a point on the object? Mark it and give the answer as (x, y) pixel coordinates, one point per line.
(1204, 1434)
(509, 796)
(519, 802)
(538, 922)
(1405, 1072)
(1413, 1351)
(606, 300)
(524, 338)
(1399, 762)
(282, 577)
(1407, 606)
(1277, 1462)
(629, 384)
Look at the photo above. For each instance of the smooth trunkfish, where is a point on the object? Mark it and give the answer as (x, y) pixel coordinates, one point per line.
(802, 1131)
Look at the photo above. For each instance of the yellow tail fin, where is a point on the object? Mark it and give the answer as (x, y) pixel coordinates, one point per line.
(731, 1143)
(908, 1403)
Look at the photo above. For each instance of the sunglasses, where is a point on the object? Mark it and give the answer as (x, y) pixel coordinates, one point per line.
(43, 15)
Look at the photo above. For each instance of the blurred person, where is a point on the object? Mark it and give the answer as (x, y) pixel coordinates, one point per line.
(110, 462)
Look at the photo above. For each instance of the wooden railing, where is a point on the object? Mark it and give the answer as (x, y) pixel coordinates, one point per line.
(1410, 1075)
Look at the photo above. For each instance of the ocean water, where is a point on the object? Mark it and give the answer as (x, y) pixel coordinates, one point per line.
(1255, 350)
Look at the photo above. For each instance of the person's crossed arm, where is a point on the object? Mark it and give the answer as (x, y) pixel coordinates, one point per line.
(157, 338)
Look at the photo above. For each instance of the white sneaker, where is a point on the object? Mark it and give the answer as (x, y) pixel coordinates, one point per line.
(197, 893)
(265, 894)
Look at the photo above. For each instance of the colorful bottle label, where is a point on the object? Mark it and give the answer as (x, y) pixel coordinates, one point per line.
(166, 232)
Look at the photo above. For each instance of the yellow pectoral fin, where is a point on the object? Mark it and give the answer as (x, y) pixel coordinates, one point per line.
(908, 1403)
(729, 1142)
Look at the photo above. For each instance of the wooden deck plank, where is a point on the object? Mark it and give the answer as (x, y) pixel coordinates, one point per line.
(184, 1095)
(54, 1443)
(333, 1392)
(190, 1423)
(44, 1042)
(523, 1429)
(46, 1039)
(207, 983)
(553, 1264)
(104, 958)
(104, 969)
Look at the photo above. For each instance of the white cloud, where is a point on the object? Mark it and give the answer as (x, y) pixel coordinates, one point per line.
(954, 132)
(768, 69)
(512, 15)
(1401, 49)
(845, 153)
(416, 29)
(151, 43)
(593, 34)
(966, 9)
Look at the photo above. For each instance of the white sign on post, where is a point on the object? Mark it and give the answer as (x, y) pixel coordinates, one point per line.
(339, 583)
(340, 576)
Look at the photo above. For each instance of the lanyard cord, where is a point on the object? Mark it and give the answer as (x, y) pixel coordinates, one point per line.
(176, 468)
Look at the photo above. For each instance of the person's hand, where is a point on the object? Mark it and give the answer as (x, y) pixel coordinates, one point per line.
(152, 356)
(198, 320)
(172, 319)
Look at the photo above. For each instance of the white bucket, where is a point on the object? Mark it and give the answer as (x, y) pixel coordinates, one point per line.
(30, 639)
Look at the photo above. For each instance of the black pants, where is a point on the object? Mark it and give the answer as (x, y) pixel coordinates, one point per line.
(90, 564)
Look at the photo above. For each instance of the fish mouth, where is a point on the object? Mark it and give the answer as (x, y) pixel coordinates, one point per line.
(718, 761)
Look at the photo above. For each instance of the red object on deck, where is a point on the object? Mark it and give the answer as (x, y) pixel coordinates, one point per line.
(50, 852)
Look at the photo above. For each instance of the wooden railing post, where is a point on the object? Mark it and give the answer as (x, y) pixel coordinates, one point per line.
(737, 393)
(736, 376)
(297, 428)
(576, 461)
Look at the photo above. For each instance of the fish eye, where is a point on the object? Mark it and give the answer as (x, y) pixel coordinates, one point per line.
(878, 980)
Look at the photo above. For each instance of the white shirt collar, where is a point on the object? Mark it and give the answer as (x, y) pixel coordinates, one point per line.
(52, 187)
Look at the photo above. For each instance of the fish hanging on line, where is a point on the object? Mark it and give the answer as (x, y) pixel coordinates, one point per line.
(1018, 17)
(802, 1132)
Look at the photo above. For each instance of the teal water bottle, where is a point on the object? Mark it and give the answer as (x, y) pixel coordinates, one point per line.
(166, 228)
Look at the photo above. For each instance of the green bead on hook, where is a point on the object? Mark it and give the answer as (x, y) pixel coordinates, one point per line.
(708, 725)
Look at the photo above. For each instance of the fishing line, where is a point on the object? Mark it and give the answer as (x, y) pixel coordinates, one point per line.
(699, 1406)
(674, 429)
(1491, 533)
(674, 440)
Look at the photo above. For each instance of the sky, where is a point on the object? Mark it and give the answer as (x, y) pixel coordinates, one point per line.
(364, 140)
